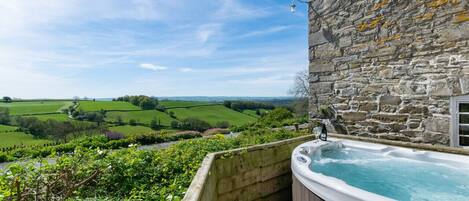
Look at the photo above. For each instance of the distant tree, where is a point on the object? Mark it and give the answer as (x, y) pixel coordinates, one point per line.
(174, 124)
(4, 115)
(147, 104)
(258, 112)
(133, 122)
(7, 99)
(227, 104)
(161, 108)
(247, 105)
(222, 124)
(144, 102)
(154, 124)
(171, 114)
(194, 124)
(119, 120)
(76, 99)
(300, 90)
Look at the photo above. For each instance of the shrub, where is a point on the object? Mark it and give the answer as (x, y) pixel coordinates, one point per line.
(114, 135)
(194, 124)
(222, 124)
(155, 124)
(133, 122)
(214, 131)
(127, 174)
(174, 124)
(276, 116)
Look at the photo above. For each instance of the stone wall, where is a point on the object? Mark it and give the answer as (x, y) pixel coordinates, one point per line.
(257, 173)
(389, 67)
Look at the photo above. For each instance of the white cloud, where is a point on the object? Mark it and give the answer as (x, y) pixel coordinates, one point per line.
(185, 70)
(206, 31)
(270, 30)
(153, 67)
(233, 9)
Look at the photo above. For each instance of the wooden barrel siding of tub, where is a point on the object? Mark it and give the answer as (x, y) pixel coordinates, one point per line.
(301, 193)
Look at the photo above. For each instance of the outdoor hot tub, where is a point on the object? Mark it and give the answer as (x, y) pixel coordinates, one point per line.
(346, 170)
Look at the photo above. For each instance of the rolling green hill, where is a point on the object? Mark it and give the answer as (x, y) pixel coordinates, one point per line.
(19, 138)
(35, 107)
(5, 128)
(106, 105)
(58, 117)
(174, 104)
(131, 130)
(144, 116)
(214, 114)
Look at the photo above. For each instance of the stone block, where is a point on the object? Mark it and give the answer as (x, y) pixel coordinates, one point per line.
(354, 116)
(436, 138)
(390, 117)
(439, 88)
(321, 87)
(368, 106)
(373, 90)
(390, 100)
(437, 124)
(320, 37)
(414, 110)
(319, 67)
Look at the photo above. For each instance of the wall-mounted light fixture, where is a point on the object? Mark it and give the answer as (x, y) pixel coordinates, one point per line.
(293, 5)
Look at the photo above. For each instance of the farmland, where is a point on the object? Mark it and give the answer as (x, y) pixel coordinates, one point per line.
(176, 104)
(107, 105)
(19, 138)
(119, 116)
(5, 128)
(144, 116)
(131, 130)
(35, 107)
(57, 117)
(214, 114)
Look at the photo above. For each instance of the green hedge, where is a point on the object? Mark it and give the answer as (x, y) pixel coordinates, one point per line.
(91, 143)
(126, 174)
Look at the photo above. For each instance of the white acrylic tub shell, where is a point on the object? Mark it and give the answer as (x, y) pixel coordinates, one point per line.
(333, 189)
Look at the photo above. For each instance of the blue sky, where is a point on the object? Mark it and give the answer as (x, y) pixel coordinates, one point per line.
(108, 48)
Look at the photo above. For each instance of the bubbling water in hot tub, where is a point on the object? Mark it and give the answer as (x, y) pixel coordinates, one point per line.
(391, 176)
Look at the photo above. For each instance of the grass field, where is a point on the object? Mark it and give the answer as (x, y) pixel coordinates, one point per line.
(214, 114)
(4, 128)
(131, 130)
(35, 107)
(144, 116)
(19, 138)
(253, 112)
(171, 104)
(58, 117)
(106, 105)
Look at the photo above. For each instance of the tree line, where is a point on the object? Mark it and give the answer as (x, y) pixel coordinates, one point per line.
(50, 128)
(247, 105)
(144, 102)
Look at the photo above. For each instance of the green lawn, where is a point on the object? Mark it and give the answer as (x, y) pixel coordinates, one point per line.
(19, 138)
(144, 116)
(131, 130)
(58, 117)
(4, 128)
(106, 105)
(214, 114)
(170, 104)
(35, 107)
